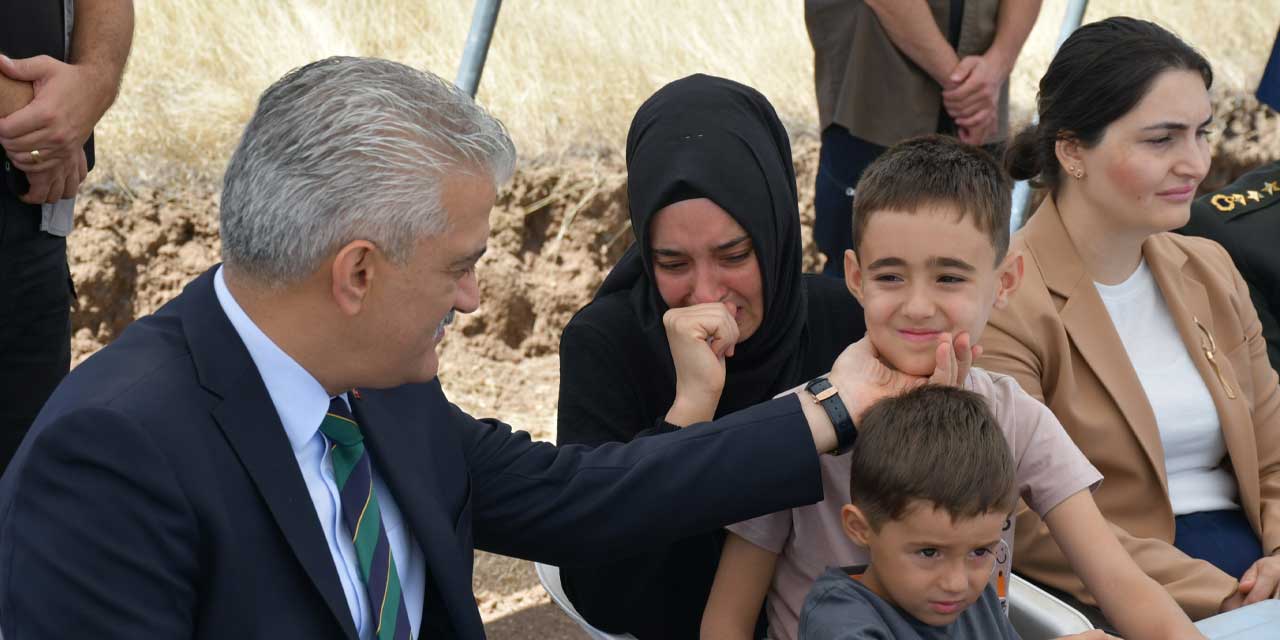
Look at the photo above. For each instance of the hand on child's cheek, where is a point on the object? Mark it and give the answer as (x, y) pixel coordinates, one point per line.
(862, 378)
(953, 359)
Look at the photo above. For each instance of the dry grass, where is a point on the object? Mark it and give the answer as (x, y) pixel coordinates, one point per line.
(564, 75)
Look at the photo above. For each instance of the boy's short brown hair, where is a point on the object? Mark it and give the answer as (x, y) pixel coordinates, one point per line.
(937, 444)
(933, 170)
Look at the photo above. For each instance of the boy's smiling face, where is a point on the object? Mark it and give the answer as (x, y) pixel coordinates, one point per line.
(922, 275)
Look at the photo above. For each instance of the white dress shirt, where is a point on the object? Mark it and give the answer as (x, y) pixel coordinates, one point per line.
(301, 404)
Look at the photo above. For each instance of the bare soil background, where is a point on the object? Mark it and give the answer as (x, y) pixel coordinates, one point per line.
(557, 229)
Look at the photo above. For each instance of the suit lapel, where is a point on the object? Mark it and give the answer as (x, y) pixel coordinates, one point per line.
(1088, 323)
(251, 425)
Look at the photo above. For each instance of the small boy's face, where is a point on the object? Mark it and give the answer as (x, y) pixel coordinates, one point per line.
(927, 564)
(923, 274)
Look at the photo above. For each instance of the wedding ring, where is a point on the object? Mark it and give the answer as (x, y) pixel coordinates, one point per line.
(35, 155)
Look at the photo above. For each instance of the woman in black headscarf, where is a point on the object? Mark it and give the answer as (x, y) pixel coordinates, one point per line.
(712, 194)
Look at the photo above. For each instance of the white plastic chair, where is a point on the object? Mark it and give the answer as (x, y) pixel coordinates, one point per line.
(1255, 622)
(549, 576)
(1037, 615)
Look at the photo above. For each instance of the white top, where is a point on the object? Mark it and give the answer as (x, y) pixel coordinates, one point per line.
(301, 404)
(1188, 421)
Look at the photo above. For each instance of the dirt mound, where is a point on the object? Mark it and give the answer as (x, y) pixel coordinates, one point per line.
(556, 232)
(132, 252)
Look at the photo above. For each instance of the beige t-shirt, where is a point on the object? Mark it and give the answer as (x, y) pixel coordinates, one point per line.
(809, 539)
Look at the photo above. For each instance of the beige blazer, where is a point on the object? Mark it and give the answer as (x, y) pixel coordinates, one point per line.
(1056, 338)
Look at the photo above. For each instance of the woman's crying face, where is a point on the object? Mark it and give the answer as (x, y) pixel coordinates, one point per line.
(701, 254)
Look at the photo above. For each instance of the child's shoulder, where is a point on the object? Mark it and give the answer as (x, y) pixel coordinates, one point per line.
(1050, 466)
(1022, 418)
(838, 604)
(1009, 403)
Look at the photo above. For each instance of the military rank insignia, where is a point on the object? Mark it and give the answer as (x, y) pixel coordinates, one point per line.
(1228, 202)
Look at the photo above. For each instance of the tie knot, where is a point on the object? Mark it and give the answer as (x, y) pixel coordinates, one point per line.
(339, 426)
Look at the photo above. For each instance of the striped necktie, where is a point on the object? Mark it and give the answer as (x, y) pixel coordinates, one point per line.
(354, 475)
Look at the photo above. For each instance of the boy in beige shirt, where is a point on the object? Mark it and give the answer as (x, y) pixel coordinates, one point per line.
(931, 233)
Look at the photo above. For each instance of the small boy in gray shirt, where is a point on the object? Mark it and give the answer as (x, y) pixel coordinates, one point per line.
(840, 606)
(932, 486)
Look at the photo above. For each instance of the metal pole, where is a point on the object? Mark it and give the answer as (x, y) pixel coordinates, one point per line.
(483, 19)
(1021, 190)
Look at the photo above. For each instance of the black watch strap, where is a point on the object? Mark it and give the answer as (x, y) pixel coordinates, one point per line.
(822, 390)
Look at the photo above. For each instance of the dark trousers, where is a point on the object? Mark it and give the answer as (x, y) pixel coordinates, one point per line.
(841, 162)
(35, 319)
(1223, 538)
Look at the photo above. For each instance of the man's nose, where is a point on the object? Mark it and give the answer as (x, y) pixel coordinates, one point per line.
(467, 296)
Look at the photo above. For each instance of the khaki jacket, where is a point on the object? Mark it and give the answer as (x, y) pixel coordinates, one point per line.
(1056, 338)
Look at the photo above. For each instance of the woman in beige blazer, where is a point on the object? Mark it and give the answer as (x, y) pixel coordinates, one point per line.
(1143, 343)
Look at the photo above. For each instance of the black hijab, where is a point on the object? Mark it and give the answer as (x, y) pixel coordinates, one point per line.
(708, 137)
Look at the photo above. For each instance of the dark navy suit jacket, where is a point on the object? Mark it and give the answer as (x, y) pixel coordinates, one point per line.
(157, 496)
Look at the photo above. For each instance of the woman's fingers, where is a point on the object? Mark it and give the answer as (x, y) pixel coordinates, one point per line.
(712, 325)
(717, 324)
(700, 337)
(1262, 579)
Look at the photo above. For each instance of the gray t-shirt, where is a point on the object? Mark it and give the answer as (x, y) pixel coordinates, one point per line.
(841, 608)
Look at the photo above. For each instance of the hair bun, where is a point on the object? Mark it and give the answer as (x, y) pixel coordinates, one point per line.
(1022, 154)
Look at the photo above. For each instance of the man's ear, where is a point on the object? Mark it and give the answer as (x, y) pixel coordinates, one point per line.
(352, 273)
(1008, 278)
(853, 274)
(855, 525)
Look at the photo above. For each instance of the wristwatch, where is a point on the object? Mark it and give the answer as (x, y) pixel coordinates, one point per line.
(825, 393)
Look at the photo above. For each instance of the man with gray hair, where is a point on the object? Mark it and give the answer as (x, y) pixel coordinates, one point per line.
(270, 454)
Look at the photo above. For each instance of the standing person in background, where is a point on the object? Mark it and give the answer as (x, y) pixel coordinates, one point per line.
(60, 71)
(888, 70)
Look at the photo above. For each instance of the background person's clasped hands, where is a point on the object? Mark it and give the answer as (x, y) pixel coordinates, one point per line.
(45, 138)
